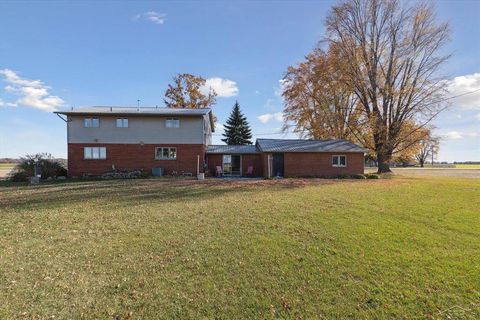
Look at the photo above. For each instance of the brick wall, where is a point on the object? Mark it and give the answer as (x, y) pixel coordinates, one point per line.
(320, 164)
(134, 156)
(213, 160)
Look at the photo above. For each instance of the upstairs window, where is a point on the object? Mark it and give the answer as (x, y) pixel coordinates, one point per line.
(91, 123)
(92, 153)
(122, 123)
(339, 161)
(164, 153)
(172, 123)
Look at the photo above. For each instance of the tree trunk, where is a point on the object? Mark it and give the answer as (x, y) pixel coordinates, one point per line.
(422, 163)
(383, 163)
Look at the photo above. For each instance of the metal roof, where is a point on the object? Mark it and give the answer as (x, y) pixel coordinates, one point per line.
(233, 149)
(112, 110)
(298, 145)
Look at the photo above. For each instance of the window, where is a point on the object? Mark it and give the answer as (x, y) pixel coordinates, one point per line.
(122, 123)
(95, 153)
(172, 123)
(339, 161)
(165, 153)
(91, 123)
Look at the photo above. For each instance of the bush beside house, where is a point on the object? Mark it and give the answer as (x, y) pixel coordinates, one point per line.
(49, 167)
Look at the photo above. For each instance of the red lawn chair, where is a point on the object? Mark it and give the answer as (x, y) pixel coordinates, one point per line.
(250, 171)
(218, 171)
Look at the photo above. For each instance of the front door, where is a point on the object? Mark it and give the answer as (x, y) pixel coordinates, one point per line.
(232, 165)
(277, 165)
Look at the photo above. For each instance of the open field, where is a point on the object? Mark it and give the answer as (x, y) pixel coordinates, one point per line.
(7, 165)
(432, 172)
(406, 247)
(467, 166)
(438, 172)
(5, 169)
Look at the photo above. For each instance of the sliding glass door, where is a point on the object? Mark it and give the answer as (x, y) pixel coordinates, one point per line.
(232, 165)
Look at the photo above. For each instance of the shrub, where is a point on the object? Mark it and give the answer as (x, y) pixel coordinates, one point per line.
(351, 176)
(145, 175)
(19, 176)
(358, 176)
(49, 167)
(372, 176)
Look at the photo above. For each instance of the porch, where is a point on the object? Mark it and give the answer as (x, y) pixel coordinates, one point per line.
(233, 161)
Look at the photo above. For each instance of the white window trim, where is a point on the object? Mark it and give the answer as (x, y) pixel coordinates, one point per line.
(91, 122)
(122, 121)
(163, 158)
(172, 127)
(339, 165)
(91, 153)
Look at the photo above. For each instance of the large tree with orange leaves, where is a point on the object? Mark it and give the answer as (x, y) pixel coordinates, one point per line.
(388, 57)
(188, 91)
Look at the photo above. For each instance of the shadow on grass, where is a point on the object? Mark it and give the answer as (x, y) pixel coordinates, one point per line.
(119, 193)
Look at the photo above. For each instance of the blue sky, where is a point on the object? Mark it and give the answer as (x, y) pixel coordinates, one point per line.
(59, 54)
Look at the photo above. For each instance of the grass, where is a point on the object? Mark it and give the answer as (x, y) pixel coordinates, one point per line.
(403, 248)
(467, 166)
(7, 165)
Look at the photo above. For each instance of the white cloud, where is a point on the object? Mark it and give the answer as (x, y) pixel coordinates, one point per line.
(223, 87)
(152, 16)
(264, 118)
(477, 116)
(219, 128)
(453, 135)
(281, 87)
(465, 84)
(456, 135)
(7, 104)
(32, 93)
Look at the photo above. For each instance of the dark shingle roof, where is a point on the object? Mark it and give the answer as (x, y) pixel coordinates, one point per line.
(287, 145)
(234, 149)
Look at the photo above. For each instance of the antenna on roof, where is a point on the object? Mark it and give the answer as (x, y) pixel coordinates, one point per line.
(138, 103)
(110, 108)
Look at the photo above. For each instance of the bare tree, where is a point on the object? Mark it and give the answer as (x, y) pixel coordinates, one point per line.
(392, 55)
(187, 91)
(428, 147)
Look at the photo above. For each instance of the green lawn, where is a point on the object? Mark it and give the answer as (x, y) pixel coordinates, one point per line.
(402, 248)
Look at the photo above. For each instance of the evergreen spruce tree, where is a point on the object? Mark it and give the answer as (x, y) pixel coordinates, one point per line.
(237, 129)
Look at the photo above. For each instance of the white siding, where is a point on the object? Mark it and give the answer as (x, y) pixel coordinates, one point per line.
(149, 130)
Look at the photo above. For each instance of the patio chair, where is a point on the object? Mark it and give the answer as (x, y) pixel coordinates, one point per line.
(249, 171)
(218, 171)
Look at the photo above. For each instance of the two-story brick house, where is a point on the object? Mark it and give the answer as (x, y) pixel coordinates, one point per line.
(104, 138)
(179, 141)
